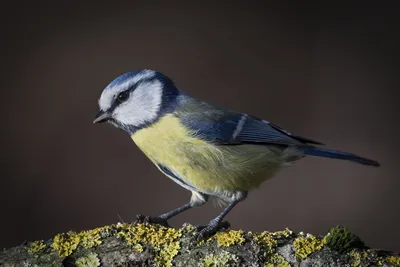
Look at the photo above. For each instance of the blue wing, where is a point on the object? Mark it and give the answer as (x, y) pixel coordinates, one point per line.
(227, 127)
(242, 128)
(223, 127)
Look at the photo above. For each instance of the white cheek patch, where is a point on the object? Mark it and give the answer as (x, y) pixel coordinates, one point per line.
(107, 97)
(143, 105)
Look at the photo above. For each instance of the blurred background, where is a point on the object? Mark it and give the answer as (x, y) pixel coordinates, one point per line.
(325, 72)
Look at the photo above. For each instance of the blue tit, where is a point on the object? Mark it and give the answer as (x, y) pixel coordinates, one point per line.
(209, 150)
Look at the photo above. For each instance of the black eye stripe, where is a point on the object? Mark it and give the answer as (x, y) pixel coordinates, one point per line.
(125, 94)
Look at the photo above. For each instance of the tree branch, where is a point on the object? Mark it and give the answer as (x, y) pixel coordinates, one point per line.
(154, 245)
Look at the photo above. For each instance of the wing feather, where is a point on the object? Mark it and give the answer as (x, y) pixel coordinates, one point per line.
(226, 127)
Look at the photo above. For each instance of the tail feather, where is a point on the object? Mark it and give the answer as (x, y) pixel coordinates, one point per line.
(334, 154)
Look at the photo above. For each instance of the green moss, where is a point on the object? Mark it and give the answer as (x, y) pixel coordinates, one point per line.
(90, 260)
(36, 246)
(305, 245)
(225, 258)
(165, 241)
(229, 238)
(341, 239)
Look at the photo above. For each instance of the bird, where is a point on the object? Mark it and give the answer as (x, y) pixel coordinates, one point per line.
(209, 150)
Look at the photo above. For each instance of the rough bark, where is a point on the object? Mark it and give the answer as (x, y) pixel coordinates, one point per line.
(154, 245)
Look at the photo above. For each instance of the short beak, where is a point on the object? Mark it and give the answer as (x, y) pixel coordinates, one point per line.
(102, 116)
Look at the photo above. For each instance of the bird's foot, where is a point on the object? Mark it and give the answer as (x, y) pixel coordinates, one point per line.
(148, 219)
(210, 229)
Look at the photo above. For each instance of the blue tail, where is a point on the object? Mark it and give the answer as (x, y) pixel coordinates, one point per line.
(333, 154)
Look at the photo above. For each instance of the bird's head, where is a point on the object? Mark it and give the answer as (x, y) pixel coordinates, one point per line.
(136, 99)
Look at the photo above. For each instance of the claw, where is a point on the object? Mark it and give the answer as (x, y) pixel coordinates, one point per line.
(210, 229)
(148, 219)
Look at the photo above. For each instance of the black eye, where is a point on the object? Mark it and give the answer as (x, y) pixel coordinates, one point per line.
(123, 96)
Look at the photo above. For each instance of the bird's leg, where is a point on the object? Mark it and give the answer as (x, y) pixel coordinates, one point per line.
(196, 200)
(216, 224)
(163, 218)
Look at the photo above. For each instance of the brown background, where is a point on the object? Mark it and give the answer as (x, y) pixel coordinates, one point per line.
(326, 73)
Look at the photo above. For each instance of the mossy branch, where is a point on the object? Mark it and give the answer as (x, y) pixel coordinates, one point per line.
(154, 245)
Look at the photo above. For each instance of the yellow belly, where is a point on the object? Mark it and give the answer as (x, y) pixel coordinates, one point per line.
(206, 167)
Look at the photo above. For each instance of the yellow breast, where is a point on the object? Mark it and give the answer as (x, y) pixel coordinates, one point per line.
(203, 165)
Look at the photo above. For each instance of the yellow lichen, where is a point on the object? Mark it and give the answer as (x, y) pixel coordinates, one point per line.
(66, 243)
(359, 256)
(230, 237)
(189, 228)
(270, 239)
(165, 241)
(265, 239)
(90, 260)
(356, 256)
(36, 246)
(394, 260)
(223, 259)
(372, 255)
(276, 260)
(283, 234)
(138, 247)
(305, 245)
(91, 238)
